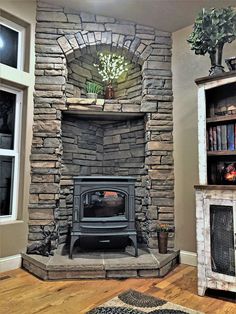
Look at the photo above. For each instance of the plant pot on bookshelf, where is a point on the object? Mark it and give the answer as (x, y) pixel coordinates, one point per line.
(93, 89)
(211, 30)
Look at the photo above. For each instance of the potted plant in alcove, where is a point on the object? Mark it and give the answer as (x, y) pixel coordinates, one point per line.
(211, 30)
(93, 89)
(110, 67)
(162, 236)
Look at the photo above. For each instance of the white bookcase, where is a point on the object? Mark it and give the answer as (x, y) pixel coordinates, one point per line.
(216, 191)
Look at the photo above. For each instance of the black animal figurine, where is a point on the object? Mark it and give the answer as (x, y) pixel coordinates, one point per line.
(44, 247)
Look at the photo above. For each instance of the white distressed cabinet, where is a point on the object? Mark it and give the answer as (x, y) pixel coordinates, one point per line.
(216, 191)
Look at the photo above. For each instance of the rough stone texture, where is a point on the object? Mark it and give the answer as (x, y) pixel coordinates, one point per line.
(67, 42)
(94, 148)
(82, 70)
(101, 264)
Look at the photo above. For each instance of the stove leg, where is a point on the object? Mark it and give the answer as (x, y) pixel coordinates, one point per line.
(133, 238)
(72, 242)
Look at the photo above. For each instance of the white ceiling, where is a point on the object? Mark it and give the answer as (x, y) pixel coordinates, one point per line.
(168, 15)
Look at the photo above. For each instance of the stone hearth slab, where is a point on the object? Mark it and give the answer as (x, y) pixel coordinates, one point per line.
(95, 265)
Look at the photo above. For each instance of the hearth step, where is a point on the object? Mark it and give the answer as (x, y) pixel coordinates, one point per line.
(104, 264)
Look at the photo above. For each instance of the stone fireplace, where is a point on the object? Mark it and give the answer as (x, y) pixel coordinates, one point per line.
(128, 136)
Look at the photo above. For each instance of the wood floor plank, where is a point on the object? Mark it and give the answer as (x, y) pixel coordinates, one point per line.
(22, 293)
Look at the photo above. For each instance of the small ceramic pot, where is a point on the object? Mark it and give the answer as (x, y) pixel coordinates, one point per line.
(92, 95)
(162, 242)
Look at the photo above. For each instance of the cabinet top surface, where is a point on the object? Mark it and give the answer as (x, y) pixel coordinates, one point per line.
(217, 77)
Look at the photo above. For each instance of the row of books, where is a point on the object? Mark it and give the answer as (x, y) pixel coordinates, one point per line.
(221, 137)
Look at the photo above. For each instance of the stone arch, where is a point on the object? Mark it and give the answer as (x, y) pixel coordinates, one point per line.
(83, 41)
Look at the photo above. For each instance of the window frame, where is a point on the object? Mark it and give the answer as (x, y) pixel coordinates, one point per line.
(21, 41)
(14, 153)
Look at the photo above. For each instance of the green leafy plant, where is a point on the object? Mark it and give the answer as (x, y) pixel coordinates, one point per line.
(111, 66)
(161, 227)
(211, 30)
(92, 87)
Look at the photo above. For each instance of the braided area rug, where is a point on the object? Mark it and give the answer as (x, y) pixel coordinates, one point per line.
(134, 302)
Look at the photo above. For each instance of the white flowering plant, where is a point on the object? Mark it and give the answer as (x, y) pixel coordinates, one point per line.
(111, 66)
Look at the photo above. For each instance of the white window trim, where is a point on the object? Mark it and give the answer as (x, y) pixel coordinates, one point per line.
(15, 152)
(21, 40)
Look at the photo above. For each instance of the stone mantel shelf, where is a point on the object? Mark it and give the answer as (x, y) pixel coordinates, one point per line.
(106, 106)
(99, 101)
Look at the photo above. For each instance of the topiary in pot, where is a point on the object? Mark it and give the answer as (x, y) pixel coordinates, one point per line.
(211, 30)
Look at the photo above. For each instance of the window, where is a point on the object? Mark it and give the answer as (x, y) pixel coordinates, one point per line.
(10, 117)
(12, 43)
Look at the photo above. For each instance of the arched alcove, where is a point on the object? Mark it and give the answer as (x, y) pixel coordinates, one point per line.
(82, 69)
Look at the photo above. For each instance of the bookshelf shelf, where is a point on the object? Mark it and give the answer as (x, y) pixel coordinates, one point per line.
(226, 118)
(221, 153)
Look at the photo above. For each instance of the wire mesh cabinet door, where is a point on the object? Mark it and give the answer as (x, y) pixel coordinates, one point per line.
(220, 229)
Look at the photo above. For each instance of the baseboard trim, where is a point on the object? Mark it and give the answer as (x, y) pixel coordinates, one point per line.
(10, 262)
(188, 258)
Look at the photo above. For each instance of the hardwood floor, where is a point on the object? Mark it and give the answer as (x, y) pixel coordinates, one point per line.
(22, 293)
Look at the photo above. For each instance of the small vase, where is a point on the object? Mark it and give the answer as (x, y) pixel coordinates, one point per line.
(162, 242)
(109, 92)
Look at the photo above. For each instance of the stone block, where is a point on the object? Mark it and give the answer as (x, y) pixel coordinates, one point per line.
(93, 27)
(42, 178)
(44, 188)
(153, 160)
(53, 80)
(148, 273)
(43, 164)
(54, 49)
(153, 145)
(64, 44)
(167, 160)
(161, 174)
(163, 201)
(148, 106)
(51, 16)
(112, 107)
(35, 270)
(165, 269)
(87, 17)
(125, 29)
(73, 18)
(104, 19)
(51, 142)
(121, 273)
(47, 126)
(146, 53)
(130, 108)
(42, 214)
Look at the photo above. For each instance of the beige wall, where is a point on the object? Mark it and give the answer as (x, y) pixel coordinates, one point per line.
(186, 67)
(13, 235)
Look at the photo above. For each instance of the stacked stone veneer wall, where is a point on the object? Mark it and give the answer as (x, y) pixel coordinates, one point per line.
(62, 36)
(102, 148)
(82, 70)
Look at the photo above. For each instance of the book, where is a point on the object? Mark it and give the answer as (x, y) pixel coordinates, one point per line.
(214, 138)
(235, 136)
(207, 139)
(224, 137)
(218, 135)
(210, 133)
(230, 136)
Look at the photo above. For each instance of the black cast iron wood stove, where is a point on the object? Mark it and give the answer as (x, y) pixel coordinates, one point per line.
(103, 206)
